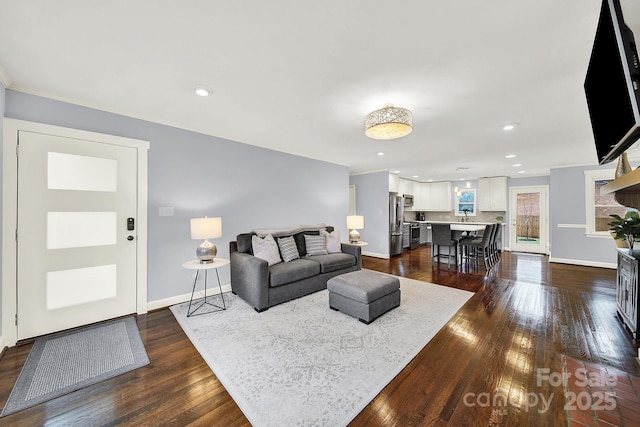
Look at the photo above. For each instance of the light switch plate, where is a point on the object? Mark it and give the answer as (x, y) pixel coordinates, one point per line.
(166, 211)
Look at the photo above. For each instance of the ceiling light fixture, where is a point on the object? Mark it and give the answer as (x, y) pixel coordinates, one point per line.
(517, 165)
(202, 90)
(388, 122)
(509, 156)
(380, 153)
(510, 126)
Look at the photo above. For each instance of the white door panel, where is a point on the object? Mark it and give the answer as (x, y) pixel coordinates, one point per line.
(75, 263)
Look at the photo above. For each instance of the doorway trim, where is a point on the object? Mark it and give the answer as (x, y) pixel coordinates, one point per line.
(9, 213)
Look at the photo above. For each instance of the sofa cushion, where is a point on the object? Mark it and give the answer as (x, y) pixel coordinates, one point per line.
(266, 249)
(333, 262)
(287, 272)
(244, 243)
(288, 248)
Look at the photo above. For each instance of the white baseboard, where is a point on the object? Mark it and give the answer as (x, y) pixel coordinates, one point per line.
(375, 255)
(584, 263)
(168, 302)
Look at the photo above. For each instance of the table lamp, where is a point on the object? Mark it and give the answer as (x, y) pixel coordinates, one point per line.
(206, 228)
(355, 223)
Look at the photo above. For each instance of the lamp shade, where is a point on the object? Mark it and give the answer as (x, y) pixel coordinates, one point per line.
(206, 228)
(388, 122)
(355, 222)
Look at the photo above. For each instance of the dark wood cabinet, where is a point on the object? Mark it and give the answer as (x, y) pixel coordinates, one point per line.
(627, 289)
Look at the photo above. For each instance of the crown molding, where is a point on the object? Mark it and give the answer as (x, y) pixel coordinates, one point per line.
(4, 78)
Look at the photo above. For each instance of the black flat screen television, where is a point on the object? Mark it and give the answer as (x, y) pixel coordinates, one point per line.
(612, 85)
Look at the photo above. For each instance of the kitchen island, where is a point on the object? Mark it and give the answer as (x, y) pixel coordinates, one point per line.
(460, 226)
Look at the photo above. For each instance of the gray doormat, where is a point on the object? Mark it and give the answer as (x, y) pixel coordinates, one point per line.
(61, 363)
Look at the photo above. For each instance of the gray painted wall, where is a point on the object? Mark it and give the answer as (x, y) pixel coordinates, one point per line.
(372, 201)
(2, 103)
(567, 206)
(198, 175)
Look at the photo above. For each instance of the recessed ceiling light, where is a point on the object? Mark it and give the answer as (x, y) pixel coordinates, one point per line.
(517, 165)
(509, 126)
(509, 156)
(521, 172)
(380, 153)
(416, 176)
(395, 172)
(202, 90)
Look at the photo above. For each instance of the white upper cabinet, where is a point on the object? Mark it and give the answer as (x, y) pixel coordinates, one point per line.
(440, 199)
(394, 183)
(406, 186)
(433, 196)
(420, 197)
(492, 194)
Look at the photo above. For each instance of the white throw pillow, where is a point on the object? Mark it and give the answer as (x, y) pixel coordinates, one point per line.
(266, 249)
(333, 241)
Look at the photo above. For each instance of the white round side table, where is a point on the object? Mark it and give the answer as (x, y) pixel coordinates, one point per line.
(196, 265)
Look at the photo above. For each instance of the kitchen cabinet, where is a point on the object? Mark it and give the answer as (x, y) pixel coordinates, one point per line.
(492, 194)
(431, 196)
(394, 183)
(434, 197)
(627, 289)
(440, 198)
(425, 233)
(406, 187)
(418, 197)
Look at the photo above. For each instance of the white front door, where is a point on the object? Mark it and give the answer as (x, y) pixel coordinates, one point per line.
(529, 223)
(76, 236)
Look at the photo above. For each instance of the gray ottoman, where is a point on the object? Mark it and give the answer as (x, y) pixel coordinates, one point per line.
(364, 294)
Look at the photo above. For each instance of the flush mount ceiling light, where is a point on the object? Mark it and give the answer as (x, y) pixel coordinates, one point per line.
(510, 126)
(202, 90)
(389, 122)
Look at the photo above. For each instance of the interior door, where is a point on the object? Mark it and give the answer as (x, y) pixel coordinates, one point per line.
(529, 224)
(76, 238)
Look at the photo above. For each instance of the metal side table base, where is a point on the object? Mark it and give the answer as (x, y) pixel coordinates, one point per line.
(196, 307)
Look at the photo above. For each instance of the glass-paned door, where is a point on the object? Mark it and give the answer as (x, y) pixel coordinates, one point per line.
(528, 219)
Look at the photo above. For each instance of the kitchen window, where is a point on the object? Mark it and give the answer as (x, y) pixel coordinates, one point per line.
(598, 205)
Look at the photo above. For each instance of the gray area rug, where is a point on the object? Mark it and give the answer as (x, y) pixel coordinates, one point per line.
(301, 363)
(61, 363)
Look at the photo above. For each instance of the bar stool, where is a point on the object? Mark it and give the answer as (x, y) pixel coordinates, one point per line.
(441, 236)
(479, 248)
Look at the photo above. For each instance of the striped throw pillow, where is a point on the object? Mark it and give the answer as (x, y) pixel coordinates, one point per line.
(288, 249)
(316, 245)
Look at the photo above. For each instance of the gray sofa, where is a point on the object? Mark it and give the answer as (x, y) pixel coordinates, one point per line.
(263, 286)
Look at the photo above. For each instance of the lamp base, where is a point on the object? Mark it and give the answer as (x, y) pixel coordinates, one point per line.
(206, 252)
(354, 236)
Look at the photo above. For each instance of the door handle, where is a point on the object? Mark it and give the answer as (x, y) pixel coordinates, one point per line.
(129, 238)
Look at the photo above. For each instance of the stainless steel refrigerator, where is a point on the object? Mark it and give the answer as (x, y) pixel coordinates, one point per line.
(396, 218)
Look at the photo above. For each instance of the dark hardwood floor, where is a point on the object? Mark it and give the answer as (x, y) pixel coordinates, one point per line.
(499, 361)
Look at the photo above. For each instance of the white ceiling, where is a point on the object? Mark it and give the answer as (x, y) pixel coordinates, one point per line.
(300, 76)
